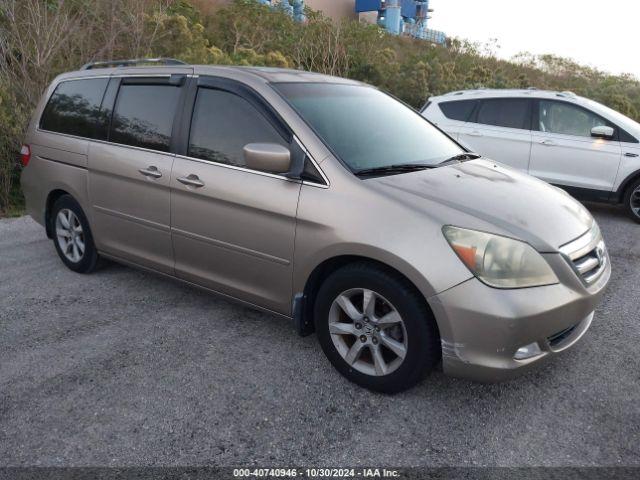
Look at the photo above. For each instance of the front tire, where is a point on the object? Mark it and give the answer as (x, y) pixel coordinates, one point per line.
(375, 328)
(72, 236)
(632, 200)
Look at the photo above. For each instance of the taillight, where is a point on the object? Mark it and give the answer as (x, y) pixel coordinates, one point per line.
(25, 155)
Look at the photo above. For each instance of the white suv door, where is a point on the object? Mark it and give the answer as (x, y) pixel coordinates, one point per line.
(564, 153)
(500, 129)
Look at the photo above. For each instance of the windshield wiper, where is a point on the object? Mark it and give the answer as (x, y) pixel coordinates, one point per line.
(392, 169)
(461, 157)
(413, 167)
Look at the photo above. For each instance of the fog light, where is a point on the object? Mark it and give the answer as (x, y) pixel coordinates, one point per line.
(528, 351)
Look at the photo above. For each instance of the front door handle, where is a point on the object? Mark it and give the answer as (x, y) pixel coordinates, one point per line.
(151, 172)
(631, 155)
(191, 181)
(475, 133)
(548, 143)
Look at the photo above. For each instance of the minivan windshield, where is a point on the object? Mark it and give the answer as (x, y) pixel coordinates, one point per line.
(368, 129)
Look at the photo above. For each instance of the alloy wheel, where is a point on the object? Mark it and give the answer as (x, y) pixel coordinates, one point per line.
(70, 235)
(368, 332)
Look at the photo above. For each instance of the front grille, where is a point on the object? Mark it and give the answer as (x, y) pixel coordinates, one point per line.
(590, 266)
(587, 255)
(556, 339)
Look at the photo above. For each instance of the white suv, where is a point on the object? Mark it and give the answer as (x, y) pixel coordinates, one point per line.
(588, 149)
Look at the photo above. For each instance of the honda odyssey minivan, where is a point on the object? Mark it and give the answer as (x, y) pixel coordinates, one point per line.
(322, 200)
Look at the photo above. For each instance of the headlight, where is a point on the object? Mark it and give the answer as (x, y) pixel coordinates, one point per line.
(498, 261)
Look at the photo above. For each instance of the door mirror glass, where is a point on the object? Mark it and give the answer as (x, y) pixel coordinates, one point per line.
(267, 157)
(602, 131)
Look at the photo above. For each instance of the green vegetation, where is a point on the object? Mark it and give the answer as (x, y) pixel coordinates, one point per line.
(42, 38)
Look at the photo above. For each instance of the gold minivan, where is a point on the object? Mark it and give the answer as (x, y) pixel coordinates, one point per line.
(320, 199)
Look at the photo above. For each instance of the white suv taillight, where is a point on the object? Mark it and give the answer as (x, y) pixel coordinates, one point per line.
(25, 155)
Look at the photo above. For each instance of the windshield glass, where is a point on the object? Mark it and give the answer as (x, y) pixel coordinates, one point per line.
(366, 128)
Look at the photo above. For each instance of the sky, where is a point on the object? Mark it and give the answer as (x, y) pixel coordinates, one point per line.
(603, 34)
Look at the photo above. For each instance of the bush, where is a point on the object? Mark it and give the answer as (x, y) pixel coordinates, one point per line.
(12, 119)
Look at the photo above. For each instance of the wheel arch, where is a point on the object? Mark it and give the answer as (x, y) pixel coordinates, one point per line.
(622, 189)
(52, 197)
(329, 265)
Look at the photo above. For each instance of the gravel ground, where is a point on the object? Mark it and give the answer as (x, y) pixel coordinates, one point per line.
(126, 368)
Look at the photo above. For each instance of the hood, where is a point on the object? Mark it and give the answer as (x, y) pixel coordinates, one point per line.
(485, 192)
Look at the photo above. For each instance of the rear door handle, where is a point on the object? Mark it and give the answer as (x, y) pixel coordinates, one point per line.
(191, 181)
(548, 143)
(151, 172)
(631, 155)
(475, 133)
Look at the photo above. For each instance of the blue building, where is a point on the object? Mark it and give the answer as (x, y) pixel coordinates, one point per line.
(408, 17)
(398, 17)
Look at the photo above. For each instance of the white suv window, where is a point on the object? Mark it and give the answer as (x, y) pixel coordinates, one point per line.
(505, 112)
(567, 119)
(458, 110)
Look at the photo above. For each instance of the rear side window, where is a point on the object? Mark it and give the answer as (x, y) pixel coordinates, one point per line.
(74, 108)
(459, 110)
(223, 123)
(143, 116)
(505, 112)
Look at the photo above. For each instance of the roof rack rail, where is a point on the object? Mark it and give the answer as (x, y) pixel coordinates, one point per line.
(132, 63)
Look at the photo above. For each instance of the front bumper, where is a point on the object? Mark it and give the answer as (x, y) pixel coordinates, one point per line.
(482, 328)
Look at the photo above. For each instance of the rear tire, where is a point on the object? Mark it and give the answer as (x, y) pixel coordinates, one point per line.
(72, 236)
(395, 338)
(632, 200)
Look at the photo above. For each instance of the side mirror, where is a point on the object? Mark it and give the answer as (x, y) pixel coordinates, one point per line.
(267, 157)
(602, 132)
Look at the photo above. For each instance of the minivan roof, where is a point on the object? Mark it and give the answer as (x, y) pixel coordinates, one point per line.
(267, 74)
(275, 75)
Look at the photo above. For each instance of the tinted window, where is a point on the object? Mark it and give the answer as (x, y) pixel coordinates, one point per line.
(624, 123)
(223, 123)
(460, 110)
(143, 116)
(567, 119)
(626, 137)
(505, 112)
(311, 173)
(366, 128)
(74, 108)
